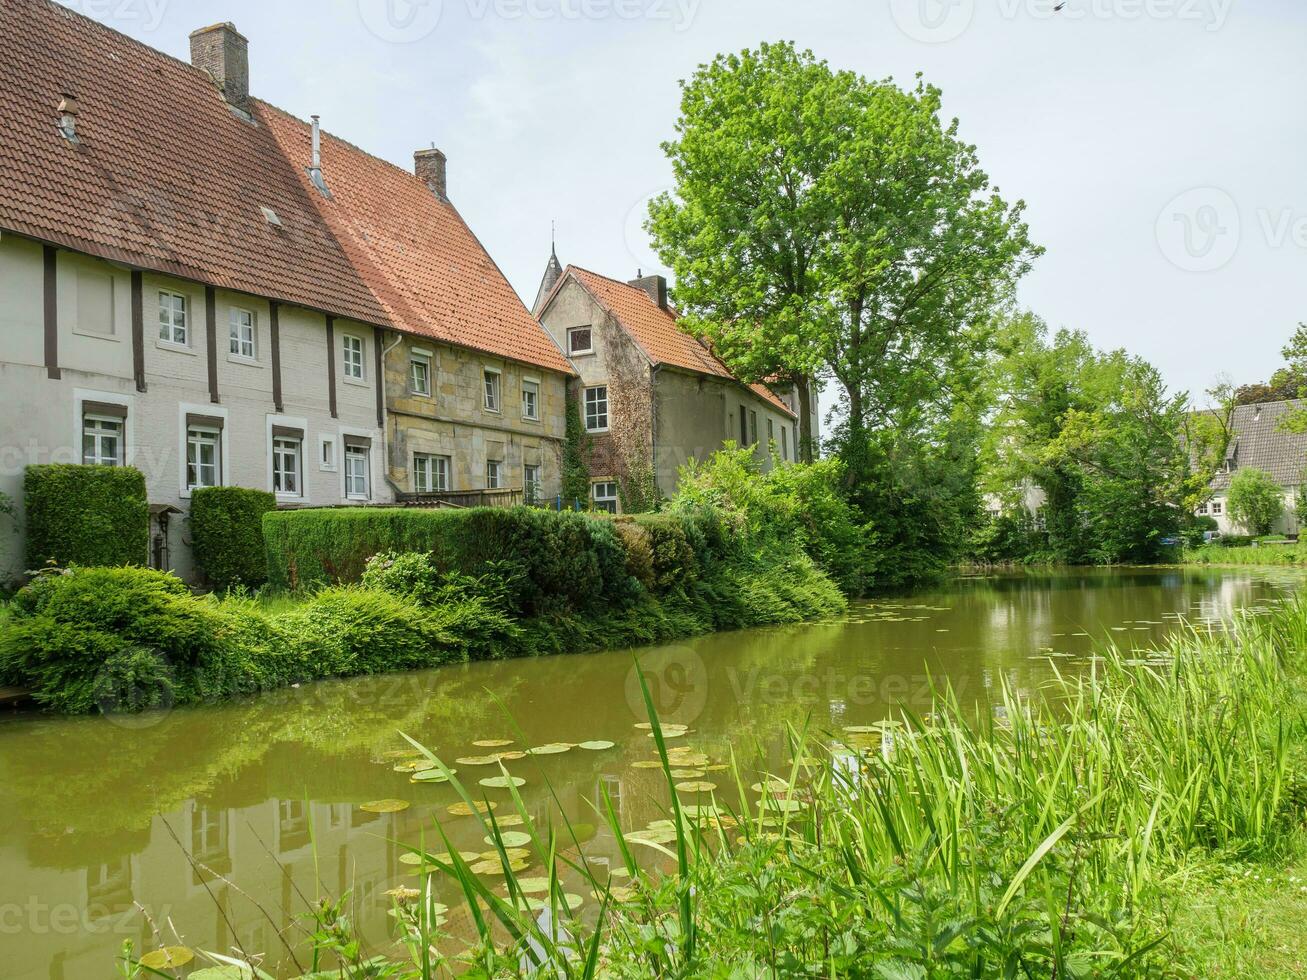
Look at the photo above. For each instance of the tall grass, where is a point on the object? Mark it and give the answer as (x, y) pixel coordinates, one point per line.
(1037, 840)
(1264, 556)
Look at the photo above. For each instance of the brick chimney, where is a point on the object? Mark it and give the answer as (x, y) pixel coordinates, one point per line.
(224, 53)
(432, 169)
(655, 286)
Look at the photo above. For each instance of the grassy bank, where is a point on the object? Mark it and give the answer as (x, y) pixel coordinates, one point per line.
(1264, 556)
(1146, 821)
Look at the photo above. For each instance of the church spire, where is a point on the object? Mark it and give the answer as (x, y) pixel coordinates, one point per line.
(553, 272)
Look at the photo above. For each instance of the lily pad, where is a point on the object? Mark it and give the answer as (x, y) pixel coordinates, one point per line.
(647, 764)
(511, 756)
(514, 838)
(497, 868)
(478, 760)
(510, 820)
(502, 782)
(533, 886)
(463, 810)
(493, 743)
(432, 776)
(167, 958)
(554, 748)
(696, 787)
(688, 773)
(597, 746)
(514, 854)
(385, 806)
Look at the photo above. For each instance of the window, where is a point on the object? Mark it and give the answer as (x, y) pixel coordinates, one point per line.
(242, 334)
(596, 409)
(494, 474)
(580, 341)
(353, 358)
(419, 375)
(174, 326)
(531, 482)
(1218, 508)
(203, 457)
(753, 428)
(531, 400)
(208, 833)
(430, 473)
(356, 472)
(327, 454)
(286, 466)
(1202, 510)
(605, 497)
(95, 304)
(492, 391)
(785, 443)
(102, 441)
(794, 438)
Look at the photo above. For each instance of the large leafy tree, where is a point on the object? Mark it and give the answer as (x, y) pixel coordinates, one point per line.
(1256, 501)
(827, 226)
(1098, 434)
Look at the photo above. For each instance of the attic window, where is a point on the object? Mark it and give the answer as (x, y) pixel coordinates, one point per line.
(271, 217)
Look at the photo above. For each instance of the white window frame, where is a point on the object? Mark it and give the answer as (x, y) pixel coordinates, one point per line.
(281, 445)
(96, 428)
(420, 359)
(355, 373)
(327, 457)
(1218, 508)
(171, 326)
(238, 344)
(529, 484)
(492, 390)
(495, 466)
(597, 415)
(196, 437)
(611, 495)
(1203, 509)
(531, 385)
(572, 349)
(424, 473)
(352, 456)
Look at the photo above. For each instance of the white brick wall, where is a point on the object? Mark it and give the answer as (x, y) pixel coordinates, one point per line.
(40, 420)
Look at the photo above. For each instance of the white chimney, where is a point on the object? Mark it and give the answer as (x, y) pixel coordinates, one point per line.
(315, 168)
(68, 117)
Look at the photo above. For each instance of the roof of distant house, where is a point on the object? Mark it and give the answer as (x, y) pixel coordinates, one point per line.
(165, 176)
(1260, 442)
(656, 331)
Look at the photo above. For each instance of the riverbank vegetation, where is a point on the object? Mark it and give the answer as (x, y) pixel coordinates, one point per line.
(373, 591)
(1133, 824)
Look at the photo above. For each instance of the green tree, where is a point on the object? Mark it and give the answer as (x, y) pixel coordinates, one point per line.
(1098, 433)
(1207, 434)
(826, 225)
(1255, 501)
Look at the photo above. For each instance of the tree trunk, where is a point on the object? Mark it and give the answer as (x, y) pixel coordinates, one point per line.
(805, 448)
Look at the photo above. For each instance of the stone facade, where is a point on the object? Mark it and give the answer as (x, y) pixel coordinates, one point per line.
(661, 416)
(451, 420)
(43, 419)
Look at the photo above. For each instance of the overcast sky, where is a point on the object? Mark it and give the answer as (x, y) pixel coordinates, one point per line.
(1161, 145)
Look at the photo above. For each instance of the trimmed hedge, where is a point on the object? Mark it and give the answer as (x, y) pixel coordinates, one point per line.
(86, 515)
(556, 561)
(227, 536)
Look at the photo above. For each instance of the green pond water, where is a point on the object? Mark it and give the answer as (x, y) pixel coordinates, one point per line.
(99, 815)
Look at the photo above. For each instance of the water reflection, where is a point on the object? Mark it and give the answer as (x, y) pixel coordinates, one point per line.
(263, 797)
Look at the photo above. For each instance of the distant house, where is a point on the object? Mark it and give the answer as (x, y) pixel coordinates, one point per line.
(1258, 441)
(651, 396)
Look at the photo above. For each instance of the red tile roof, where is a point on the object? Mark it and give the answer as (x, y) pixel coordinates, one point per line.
(166, 177)
(656, 332)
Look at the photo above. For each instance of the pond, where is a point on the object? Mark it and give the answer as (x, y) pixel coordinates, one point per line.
(219, 822)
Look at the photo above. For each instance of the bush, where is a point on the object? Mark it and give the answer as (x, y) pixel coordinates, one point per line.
(227, 536)
(78, 631)
(86, 515)
(1255, 501)
(558, 561)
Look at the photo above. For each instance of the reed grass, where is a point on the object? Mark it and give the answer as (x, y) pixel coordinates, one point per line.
(1055, 836)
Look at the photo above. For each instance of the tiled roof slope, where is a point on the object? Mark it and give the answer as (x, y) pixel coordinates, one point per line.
(1260, 443)
(166, 177)
(656, 330)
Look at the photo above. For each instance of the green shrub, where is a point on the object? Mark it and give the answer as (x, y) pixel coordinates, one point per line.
(227, 536)
(75, 627)
(561, 561)
(86, 515)
(672, 545)
(1255, 501)
(350, 630)
(132, 681)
